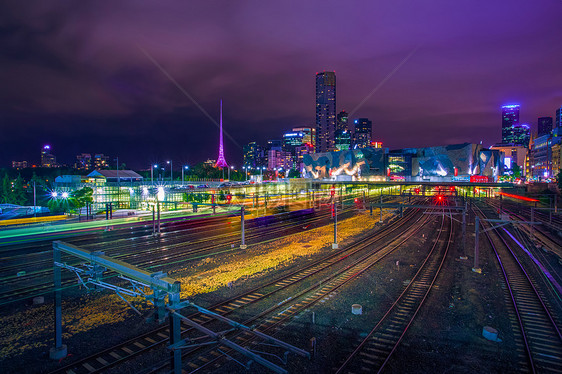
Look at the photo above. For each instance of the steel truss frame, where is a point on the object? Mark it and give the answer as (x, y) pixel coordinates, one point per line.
(165, 295)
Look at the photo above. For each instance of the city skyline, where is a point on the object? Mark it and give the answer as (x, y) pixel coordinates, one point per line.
(79, 81)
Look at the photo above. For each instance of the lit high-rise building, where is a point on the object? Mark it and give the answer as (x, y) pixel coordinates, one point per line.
(362, 133)
(48, 160)
(559, 117)
(309, 135)
(253, 155)
(325, 111)
(341, 123)
(510, 118)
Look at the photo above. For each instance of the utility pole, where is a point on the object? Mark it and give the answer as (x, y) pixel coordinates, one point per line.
(153, 221)
(380, 209)
(34, 200)
(243, 245)
(158, 205)
(335, 244)
(476, 233)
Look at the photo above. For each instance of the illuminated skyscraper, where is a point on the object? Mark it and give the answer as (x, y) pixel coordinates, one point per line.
(559, 117)
(341, 123)
(544, 125)
(362, 133)
(510, 118)
(325, 111)
(47, 159)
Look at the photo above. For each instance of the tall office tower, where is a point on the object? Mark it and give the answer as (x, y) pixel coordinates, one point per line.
(47, 159)
(253, 155)
(362, 133)
(510, 118)
(544, 125)
(521, 135)
(559, 117)
(325, 110)
(341, 122)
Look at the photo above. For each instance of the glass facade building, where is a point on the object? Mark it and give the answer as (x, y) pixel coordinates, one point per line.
(510, 119)
(325, 111)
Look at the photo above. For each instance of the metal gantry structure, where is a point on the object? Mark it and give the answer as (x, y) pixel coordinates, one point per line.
(164, 293)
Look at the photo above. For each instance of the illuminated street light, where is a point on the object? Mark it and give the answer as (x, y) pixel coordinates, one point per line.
(182, 169)
(152, 167)
(54, 194)
(171, 169)
(161, 194)
(231, 167)
(65, 195)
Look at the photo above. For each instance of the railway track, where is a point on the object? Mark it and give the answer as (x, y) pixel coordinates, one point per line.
(159, 337)
(283, 314)
(540, 334)
(41, 280)
(375, 350)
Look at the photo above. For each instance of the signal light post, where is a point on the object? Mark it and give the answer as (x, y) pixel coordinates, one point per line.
(335, 243)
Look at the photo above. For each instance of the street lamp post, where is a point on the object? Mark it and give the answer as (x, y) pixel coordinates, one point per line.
(171, 170)
(182, 169)
(152, 167)
(232, 167)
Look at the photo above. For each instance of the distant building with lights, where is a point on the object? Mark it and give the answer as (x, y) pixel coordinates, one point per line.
(309, 135)
(342, 121)
(325, 111)
(343, 140)
(512, 155)
(83, 161)
(100, 161)
(362, 133)
(559, 117)
(254, 155)
(544, 155)
(280, 159)
(510, 118)
(48, 160)
(19, 164)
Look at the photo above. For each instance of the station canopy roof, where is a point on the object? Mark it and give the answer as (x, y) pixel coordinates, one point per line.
(114, 174)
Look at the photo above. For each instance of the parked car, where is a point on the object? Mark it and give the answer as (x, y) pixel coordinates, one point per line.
(203, 186)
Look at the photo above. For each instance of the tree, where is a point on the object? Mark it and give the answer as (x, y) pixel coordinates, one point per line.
(6, 190)
(516, 171)
(81, 198)
(19, 196)
(294, 173)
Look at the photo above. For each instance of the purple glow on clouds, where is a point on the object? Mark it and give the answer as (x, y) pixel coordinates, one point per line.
(77, 67)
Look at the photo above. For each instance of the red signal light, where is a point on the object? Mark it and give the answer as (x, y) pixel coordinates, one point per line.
(417, 190)
(451, 188)
(356, 200)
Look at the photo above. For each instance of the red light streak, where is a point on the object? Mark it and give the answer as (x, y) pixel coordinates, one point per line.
(518, 197)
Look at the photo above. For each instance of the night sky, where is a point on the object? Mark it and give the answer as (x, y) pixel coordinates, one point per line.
(84, 76)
